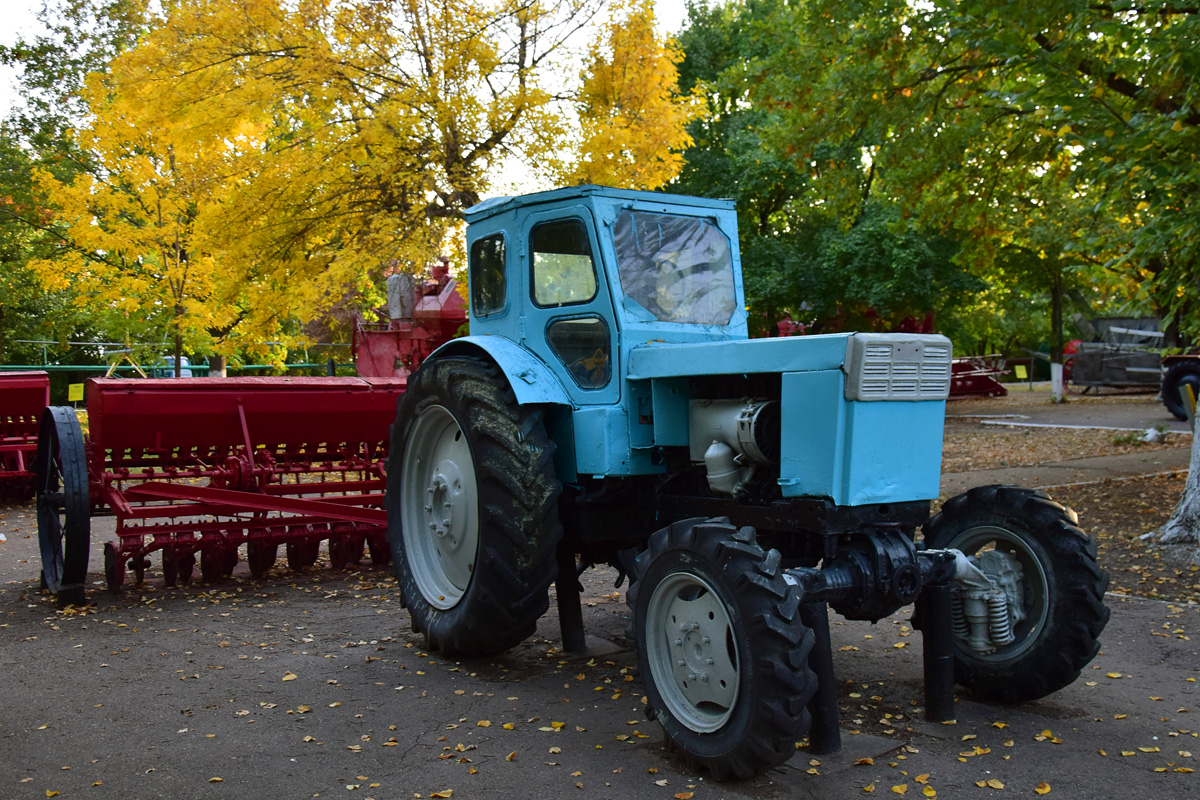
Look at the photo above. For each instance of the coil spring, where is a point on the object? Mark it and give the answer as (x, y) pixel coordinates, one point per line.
(958, 615)
(999, 626)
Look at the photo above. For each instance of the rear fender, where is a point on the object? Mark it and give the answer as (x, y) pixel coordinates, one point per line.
(532, 381)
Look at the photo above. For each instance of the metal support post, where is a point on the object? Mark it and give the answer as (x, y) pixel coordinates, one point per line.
(937, 632)
(824, 736)
(570, 610)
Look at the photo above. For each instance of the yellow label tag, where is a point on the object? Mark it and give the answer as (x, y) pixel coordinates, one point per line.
(1019, 371)
(74, 392)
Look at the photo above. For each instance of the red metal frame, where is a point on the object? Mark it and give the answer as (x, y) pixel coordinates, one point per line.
(976, 375)
(212, 462)
(395, 347)
(23, 395)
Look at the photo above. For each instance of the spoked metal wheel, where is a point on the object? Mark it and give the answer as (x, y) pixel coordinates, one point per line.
(63, 506)
(690, 647)
(439, 507)
(1031, 548)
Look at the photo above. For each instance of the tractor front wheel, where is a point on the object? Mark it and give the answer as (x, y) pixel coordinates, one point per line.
(1022, 539)
(472, 507)
(721, 648)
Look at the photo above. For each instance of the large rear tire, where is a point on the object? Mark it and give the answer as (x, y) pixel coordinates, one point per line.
(63, 506)
(1057, 627)
(721, 648)
(472, 508)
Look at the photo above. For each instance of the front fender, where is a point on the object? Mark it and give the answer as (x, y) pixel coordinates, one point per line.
(532, 381)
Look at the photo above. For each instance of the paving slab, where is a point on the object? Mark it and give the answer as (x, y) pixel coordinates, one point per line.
(1074, 471)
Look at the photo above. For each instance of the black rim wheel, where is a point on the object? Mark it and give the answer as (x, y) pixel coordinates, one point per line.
(63, 505)
(1184, 373)
(472, 508)
(721, 648)
(1060, 584)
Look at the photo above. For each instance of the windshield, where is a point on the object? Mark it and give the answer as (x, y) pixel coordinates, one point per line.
(680, 269)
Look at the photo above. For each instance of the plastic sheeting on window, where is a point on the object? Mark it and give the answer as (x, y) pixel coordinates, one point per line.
(678, 268)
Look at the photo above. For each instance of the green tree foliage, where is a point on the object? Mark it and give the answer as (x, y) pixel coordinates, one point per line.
(80, 36)
(1066, 131)
(850, 265)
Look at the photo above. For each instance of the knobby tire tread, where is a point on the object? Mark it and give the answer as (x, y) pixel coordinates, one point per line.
(778, 682)
(1071, 637)
(519, 528)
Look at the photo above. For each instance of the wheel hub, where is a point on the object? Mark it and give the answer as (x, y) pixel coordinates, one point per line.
(440, 525)
(700, 680)
(441, 496)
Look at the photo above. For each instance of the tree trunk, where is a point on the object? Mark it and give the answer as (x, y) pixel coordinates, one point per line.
(178, 341)
(1184, 525)
(216, 366)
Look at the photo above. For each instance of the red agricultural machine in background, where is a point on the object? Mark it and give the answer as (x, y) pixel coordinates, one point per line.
(197, 467)
(23, 396)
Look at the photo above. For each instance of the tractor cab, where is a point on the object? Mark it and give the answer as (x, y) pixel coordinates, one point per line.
(580, 276)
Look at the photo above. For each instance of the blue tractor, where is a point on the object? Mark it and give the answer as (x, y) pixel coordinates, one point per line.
(609, 407)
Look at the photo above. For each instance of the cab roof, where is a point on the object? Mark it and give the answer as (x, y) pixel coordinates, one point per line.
(498, 205)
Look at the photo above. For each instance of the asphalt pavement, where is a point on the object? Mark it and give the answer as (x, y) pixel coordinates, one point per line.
(314, 685)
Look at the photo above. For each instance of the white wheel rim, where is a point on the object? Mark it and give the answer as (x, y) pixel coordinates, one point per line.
(691, 652)
(1035, 587)
(439, 508)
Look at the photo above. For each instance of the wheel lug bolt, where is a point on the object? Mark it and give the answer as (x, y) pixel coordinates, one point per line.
(681, 662)
(679, 642)
(706, 640)
(708, 661)
(691, 676)
(429, 508)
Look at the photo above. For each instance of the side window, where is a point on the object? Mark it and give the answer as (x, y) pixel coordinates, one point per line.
(563, 273)
(488, 280)
(581, 343)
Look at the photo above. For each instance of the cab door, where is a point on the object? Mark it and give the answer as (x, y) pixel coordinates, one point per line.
(569, 320)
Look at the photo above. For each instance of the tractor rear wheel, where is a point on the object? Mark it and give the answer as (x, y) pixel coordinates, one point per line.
(1052, 567)
(472, 508)
(63, 506)
(721, 648)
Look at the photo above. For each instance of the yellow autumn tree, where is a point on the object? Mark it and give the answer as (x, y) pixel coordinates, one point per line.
(259, 161)
(632, 116)
(136, 230)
